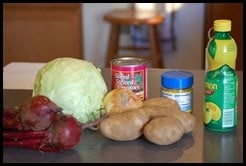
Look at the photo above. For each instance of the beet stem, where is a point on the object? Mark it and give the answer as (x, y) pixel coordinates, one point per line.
(15, 135)
(36, 144)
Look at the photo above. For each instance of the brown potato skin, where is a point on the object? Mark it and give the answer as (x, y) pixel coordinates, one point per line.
(129, 124)
(124, 126)
(166, 102)
(187, 119)
(163, 130)
(163, 106)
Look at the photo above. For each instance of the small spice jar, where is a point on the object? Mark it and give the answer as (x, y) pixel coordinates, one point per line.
(177, 85)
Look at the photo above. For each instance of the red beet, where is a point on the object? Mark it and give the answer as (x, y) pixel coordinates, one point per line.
(10, 119)
(40, 124)
(36, 113)
(63, 134)
(10, 112)
(12, 123)
(66, 132)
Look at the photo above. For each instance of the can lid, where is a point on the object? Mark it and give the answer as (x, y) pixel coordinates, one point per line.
(131, 61)
(177, 79)
(222, 25)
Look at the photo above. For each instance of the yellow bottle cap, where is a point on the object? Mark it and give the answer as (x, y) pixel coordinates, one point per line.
(222, 25)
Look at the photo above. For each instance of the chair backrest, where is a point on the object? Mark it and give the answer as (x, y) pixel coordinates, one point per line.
(40, 32)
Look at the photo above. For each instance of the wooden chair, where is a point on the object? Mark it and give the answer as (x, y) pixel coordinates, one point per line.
(40, 32)
(126, 17)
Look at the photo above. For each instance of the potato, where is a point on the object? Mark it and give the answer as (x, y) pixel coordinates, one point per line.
(124, 126)
(187, 119)
(163, 130)
(129, 124)
(157, 111)
(163, 106)
(166, 102)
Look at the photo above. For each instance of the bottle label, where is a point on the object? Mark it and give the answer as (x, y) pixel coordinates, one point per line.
(184, 99)
(220, 107)
(221, 52)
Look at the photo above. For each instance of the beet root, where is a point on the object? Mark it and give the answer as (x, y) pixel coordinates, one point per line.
(40, 124)
(64, 133)
(38, 113)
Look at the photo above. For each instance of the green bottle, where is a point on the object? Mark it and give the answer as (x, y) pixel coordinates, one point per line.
(221, 82)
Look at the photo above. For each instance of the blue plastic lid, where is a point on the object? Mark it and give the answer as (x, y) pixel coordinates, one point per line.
(177, 79)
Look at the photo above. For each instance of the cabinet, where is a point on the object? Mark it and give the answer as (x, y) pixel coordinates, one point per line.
(40, 32)
(232, 11)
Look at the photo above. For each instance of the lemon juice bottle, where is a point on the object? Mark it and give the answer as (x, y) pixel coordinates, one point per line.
(221, 82)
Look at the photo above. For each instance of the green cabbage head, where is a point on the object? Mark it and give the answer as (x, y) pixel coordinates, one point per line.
(75, 85)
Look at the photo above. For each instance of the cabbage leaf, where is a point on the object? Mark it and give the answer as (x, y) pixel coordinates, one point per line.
(75, 85)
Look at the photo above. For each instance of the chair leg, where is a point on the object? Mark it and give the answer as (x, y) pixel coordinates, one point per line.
(112, 44)
(155, 47)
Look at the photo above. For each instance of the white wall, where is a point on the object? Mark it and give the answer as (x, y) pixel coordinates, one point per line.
(96, 30)
(189, 24)
(189, 30)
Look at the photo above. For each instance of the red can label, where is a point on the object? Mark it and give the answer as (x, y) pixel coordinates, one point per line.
(131, 76)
